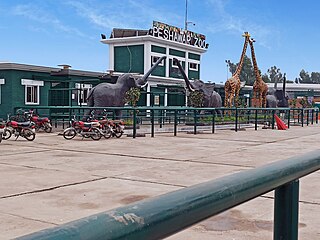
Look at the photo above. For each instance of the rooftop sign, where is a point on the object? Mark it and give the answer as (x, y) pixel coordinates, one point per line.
(176, 34)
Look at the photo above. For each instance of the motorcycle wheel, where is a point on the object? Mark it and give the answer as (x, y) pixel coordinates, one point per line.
(97, 135)
(6, 134)
(47, 127)
(107, 133)
(118, 132)
(0, 137)
(69, 134)
(28, 134)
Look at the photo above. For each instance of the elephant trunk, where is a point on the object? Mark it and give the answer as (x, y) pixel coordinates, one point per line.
(142, 81)
(275, 82)
(284, 85)
(188, 83)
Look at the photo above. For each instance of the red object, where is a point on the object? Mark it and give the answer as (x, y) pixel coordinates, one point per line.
(280, 124)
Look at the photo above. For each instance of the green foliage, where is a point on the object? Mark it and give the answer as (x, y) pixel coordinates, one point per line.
(196, 99)
(275, 74)
(132, 96)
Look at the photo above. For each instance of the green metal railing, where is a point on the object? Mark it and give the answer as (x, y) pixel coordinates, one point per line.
(162, 216)
(194, 117)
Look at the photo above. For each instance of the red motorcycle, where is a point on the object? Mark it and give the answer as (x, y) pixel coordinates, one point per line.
(109, 128)
(40, 122)
(84, 129)
(2, 128)
(23, 129)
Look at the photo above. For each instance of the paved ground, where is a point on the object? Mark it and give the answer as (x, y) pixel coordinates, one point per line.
(52, 181)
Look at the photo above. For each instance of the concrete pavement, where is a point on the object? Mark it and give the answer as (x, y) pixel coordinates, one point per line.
(51, 181)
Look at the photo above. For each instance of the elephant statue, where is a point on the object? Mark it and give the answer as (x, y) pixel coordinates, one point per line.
(277, 97)
(211, 97)
(113, 94)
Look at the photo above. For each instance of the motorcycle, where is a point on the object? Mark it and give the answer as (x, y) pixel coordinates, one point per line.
(109, 128)
(40, 122)
(23, 129)
(2, 127)
(84, 129)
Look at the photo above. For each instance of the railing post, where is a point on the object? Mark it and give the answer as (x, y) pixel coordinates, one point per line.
(134, 123)
(289, 118)
(213, 120)
(308, 117)
(195, 122)
(312, 116)
(302, 116)
(317, 115)
(236, 122)
(175, 123)
(152, 122)
(273, 113)
(286, 211)
(256, 120)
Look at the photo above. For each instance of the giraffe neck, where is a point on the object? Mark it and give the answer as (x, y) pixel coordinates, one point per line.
(239, 68)
(254, 61)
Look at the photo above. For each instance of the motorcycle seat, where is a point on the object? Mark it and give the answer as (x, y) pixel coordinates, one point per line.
(41, 119)
(24, 124)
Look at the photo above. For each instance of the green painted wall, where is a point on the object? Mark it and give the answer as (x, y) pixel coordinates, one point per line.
(160, 70)
(129, 59)
(194, 74)
(175, 52)
(158, 49)
(13, 93)
(176, 97)
(194, 56)
(173, 71)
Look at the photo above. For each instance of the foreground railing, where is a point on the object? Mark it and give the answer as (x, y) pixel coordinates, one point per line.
(162, 216)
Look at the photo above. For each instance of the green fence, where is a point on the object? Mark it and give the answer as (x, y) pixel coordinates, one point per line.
(175, 117)
(162, 216)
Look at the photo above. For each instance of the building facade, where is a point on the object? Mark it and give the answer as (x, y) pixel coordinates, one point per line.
(135, 51)
(26, 86)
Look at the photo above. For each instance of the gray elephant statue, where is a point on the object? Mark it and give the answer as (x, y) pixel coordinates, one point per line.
(211, 97)
(278, 97)
(112, 95)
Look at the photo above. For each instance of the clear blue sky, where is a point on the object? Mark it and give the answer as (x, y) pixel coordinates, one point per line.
(52, 32)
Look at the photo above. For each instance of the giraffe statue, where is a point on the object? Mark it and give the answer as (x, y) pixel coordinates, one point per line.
(259, 86)
(233, 84)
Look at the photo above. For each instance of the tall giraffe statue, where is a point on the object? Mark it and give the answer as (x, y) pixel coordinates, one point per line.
(233, 84)
(259, 86)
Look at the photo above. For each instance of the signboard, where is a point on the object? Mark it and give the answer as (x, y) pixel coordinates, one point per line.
(176, 34)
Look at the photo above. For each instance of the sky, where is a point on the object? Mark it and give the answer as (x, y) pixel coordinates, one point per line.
(53, 32)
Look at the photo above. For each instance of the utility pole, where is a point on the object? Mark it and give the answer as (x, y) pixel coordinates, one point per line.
(186, 17)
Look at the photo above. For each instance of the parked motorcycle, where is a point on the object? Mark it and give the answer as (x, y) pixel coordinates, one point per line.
(23, 129)
(40, 122)
(109, 128)
(2, 127)
(84, 129)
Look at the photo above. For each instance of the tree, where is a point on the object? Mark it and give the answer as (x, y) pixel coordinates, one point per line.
(275, 74)
(132, 96)
(247, 72)
(315, 77)
(304, 77)
(265, 78)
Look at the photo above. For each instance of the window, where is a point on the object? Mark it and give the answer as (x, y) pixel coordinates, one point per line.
(32, 91)
(193, 66)
(154, 59)
(1, 83)
(83, 90)
(174, 63)
(32, 94)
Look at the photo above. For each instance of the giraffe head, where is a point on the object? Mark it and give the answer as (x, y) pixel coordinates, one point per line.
(246, 35)
(252, 40)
